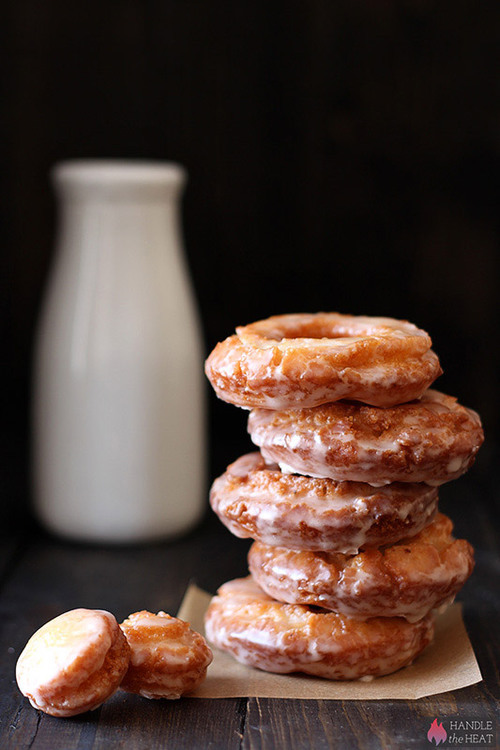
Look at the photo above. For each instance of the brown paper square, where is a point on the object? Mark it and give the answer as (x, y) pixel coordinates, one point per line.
(447, 664)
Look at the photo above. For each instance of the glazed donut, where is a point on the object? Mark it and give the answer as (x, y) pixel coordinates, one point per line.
(73, 663)
(303, 360)
(283, 638)
(254, 499)
(404, 580)
(431, 440)
(168, 659)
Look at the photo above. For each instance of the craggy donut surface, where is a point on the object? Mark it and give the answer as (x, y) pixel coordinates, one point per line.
(432, 440)
(283, 638)
(303, 360)
(168, 659)
(404, 580)
(256, 500)
(73, 663)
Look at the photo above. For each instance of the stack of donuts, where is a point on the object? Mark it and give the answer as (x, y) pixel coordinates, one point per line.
(351, 557)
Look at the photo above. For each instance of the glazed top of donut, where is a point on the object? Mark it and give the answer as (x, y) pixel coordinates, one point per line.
(337, 332)
(308, 359)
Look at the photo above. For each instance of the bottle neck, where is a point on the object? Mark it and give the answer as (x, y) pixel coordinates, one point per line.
(118, 205)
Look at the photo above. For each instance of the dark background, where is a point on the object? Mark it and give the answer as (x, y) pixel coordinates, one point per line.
(342, 156)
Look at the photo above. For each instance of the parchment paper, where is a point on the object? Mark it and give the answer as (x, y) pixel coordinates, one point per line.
(448, 663)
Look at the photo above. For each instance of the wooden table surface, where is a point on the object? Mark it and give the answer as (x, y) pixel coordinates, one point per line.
(42, 576)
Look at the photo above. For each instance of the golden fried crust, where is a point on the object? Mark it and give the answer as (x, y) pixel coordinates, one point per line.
(168, 659)
(283, 638)
(304, 360)
(256, 500)
(404, 580)
(73, 663)
(432, 440)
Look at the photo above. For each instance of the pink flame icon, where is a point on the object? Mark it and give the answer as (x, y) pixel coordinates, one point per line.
(437, 732)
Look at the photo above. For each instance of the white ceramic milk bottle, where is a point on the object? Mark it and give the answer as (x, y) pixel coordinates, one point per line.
(119, 439)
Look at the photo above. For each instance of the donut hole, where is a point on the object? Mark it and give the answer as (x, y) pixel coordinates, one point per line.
(313, 331)
(313, 328)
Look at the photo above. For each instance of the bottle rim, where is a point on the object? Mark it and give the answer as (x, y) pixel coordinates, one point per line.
(118, 174)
